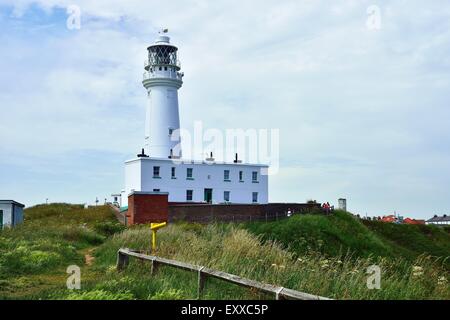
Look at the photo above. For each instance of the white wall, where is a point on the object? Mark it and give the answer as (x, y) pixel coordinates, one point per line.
(162, 114)
(205, 176)
(7, 210)
(7, 214)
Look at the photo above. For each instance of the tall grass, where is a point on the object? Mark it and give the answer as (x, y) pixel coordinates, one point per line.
(50, 238)
(342, 233)
(326, 256)
(235, 250)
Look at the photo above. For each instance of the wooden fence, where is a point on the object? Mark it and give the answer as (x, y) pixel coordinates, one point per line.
(203, 273)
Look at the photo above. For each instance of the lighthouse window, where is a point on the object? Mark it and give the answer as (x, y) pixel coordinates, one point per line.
(226, 175)
(255, 176)
(173, 173)
(165, 68)
(189, 195)
(156, 172)
(226, 196)
(160, 68)
(241, 176)
(170, 131)
(189, 173)
(254, 197)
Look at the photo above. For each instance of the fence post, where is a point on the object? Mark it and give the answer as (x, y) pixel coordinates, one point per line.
(278, 296)
(201, 282)
(122, 260)
(154, 267)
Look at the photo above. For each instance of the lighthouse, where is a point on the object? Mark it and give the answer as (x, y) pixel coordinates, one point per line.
(161, 169)
(162, 79)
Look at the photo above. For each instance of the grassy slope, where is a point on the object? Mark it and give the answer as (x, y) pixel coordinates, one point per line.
(299, 260)
(235, 250)
(413, 239)
(35, 255)
(342, 233)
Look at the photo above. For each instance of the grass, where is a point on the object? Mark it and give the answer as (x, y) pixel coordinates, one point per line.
(342, 233)
(51, 238)
(236, 250)
(286, 253)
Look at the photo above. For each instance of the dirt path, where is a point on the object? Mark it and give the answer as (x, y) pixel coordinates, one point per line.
(88, 257)
(34, 286)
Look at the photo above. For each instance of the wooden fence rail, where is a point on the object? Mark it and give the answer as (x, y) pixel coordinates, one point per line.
(203, 273)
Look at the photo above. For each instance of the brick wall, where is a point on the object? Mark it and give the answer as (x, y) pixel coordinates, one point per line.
(147, 207)
(235, 212)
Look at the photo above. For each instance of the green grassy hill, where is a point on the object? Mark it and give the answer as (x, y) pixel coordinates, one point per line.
(343, 233)
(51, 238)
(323, 255)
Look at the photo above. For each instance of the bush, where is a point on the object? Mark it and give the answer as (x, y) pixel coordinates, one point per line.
(108, 228)
(23, 260)
(168, 294)
(83, 235)
(100, 295)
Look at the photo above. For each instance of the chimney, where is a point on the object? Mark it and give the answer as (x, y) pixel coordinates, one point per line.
(211, 158)
(142, 154)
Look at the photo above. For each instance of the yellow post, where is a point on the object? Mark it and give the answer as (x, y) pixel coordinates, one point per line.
(154, 227)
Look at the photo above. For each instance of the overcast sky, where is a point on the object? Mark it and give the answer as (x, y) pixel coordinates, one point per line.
(362, 108)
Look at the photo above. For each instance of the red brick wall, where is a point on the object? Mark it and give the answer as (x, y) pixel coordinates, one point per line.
(147, 208)
(234, 212)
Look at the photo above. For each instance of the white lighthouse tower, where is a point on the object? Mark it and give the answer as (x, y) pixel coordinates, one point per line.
(161, 168)
(162, 79)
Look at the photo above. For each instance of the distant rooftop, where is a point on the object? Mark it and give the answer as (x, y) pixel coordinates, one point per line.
(439, 219)
(12, 201)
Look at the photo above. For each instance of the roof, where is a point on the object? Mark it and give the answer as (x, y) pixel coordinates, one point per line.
(198, 162)
(12, 202)
(390, 218)
(439, 219)
(413, 221)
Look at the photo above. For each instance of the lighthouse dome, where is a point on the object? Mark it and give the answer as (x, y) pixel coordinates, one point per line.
(162, 39)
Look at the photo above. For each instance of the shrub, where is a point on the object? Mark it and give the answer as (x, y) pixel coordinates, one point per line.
(83, 235)
(108, 228)
(100, 295)
(168, 294)
(24, 260)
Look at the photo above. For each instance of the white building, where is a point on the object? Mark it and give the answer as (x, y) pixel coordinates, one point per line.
(11, 213)
(439, 220)
(164, 169)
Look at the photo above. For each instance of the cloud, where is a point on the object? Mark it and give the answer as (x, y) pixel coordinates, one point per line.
(361, 113)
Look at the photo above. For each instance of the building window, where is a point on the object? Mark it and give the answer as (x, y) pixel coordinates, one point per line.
(189, 174)
(156, 172)
(255, 176)
(173, 173)
(226, 175)
(116, 199)
(189, 194)
(241, 176)
(255, 197)
(156, 190)
(226, 196)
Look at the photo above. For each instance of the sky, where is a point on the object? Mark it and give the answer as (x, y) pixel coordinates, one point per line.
(359, 91)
